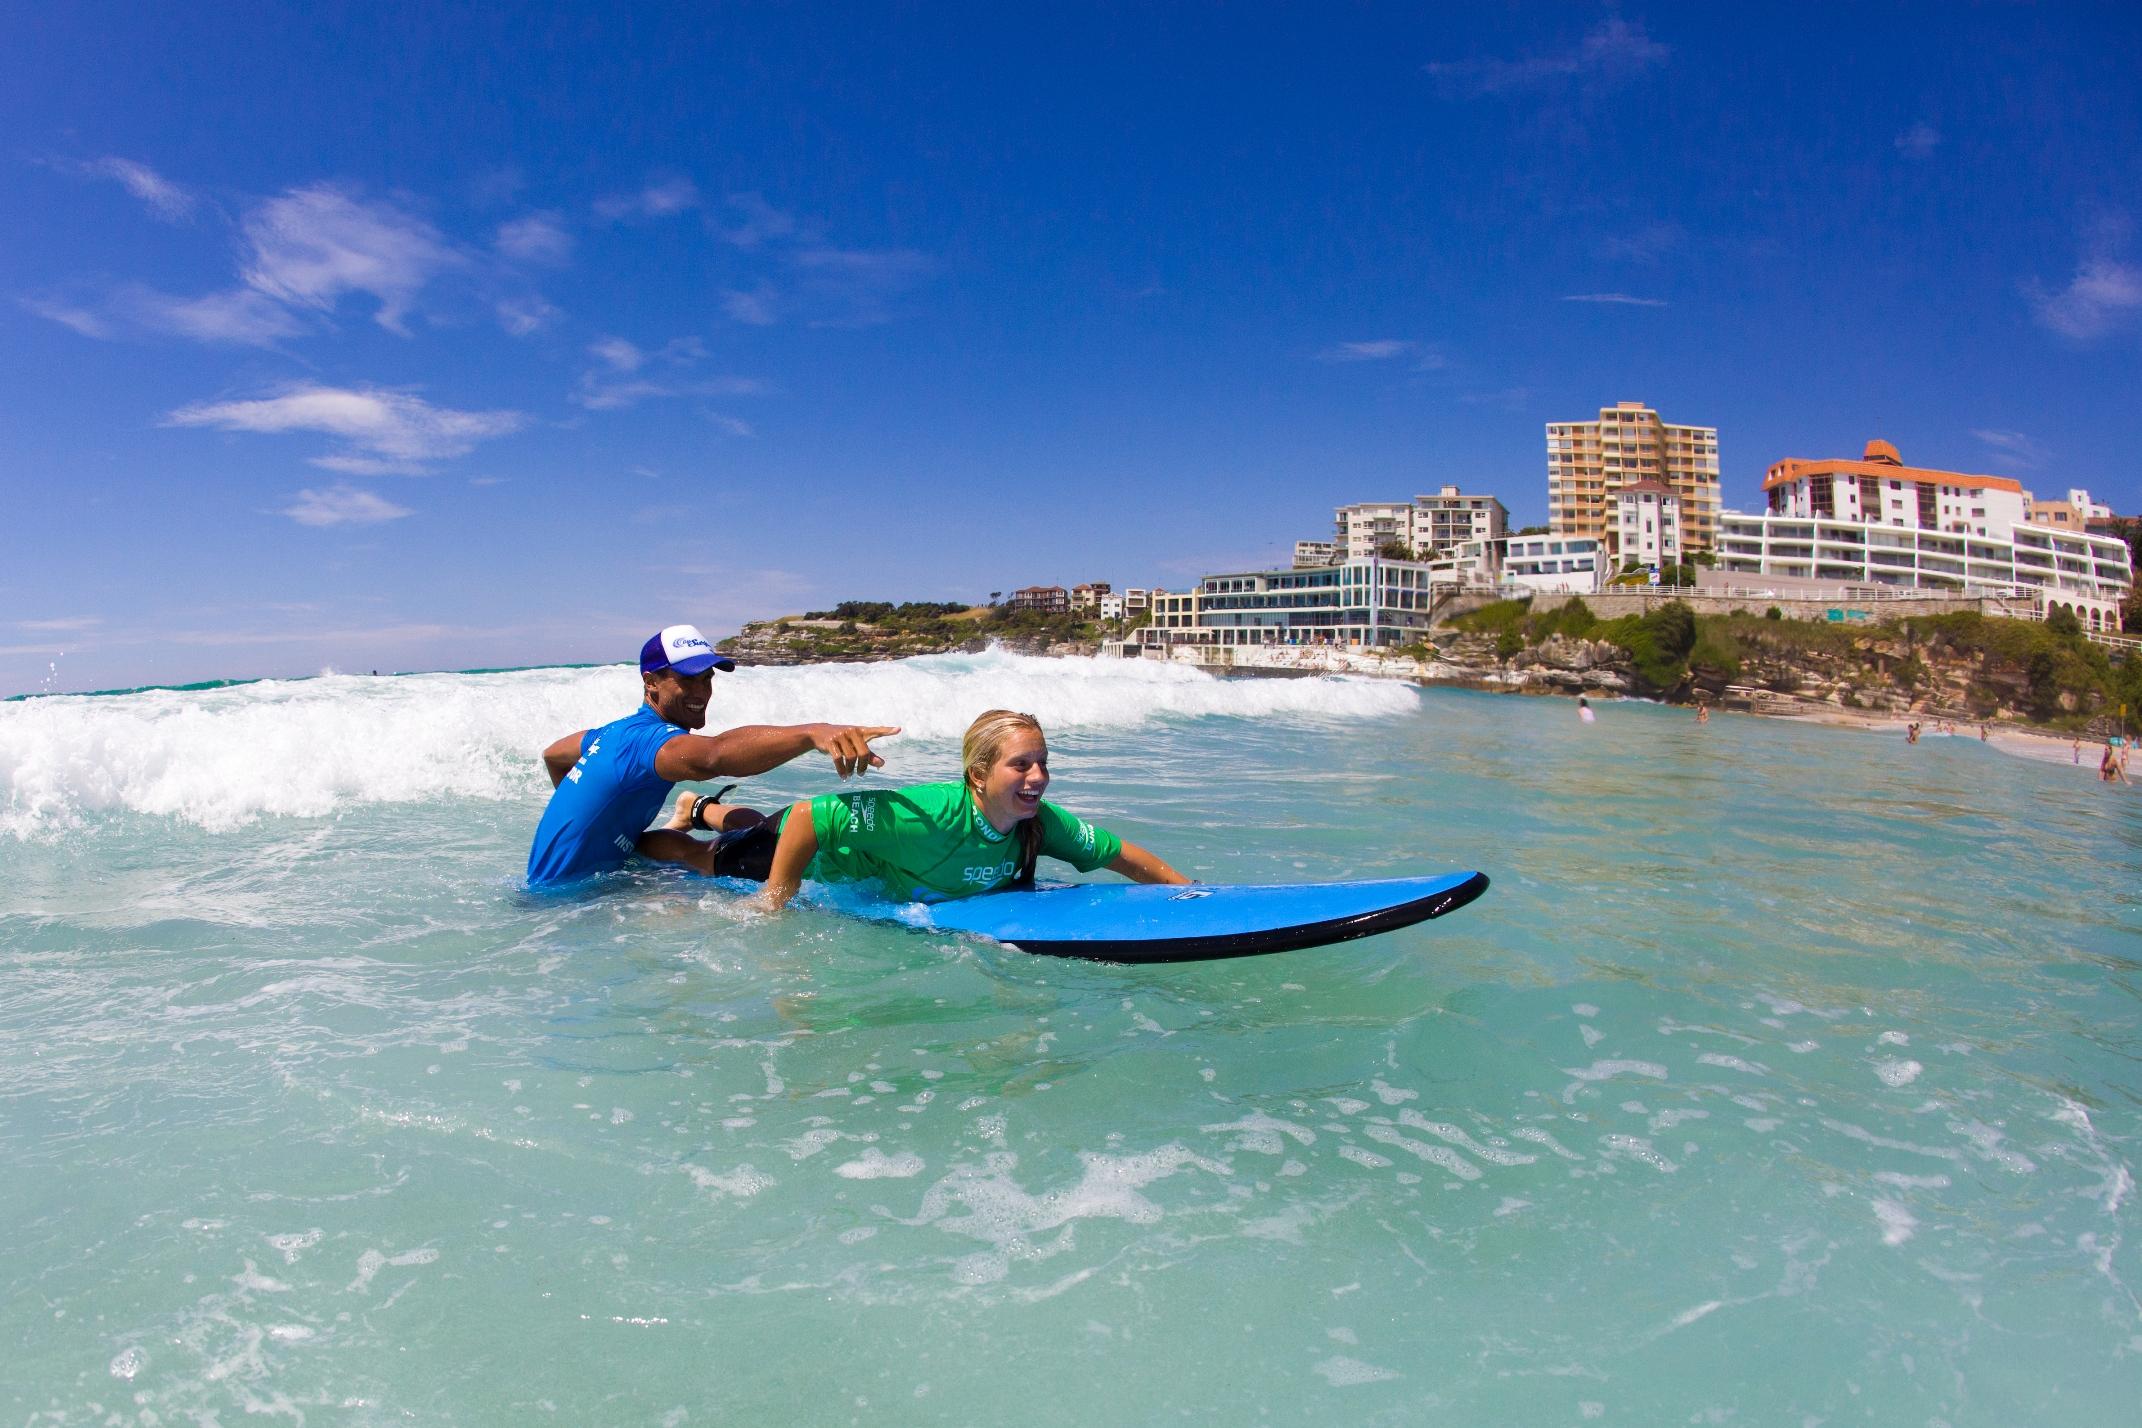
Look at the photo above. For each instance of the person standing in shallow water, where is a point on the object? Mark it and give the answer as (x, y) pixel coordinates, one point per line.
(1584, 709)
(607, 784)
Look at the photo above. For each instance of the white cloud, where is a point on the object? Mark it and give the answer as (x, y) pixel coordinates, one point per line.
(1380, 349)
(342, 506)
(1613, 51)
(854, 287)
(87, 323)
(312, 246)
(2014, 448)
(756, 308)
(1616, 299)
(383, 431)
(2103, 294)
(69, 625)
(165, 199)
(657, 200)
(239, 316)
(623, 378)
(538, 238)
(735, 426)
(525, 316)
(1919, 141)
(757, 221)
(618, 355)
(1647, 244)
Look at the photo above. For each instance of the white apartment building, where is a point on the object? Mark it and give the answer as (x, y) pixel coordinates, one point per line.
(1110, 606)
(1554, 563)
(1588, 462)
(1310, 554)
(1136, 601)
(2088, 574)
(1360, 531)
(1450, 518)
(1880, 489)
(1647, 524)
(1441, 522)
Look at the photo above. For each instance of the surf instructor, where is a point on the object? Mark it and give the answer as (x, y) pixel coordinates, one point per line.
(608, 783)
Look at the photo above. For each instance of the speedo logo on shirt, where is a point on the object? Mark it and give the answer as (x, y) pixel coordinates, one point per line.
(863, 813)
(988, 875)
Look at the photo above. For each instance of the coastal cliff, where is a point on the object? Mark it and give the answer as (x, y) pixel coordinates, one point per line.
(1957, 666)
(859, 631)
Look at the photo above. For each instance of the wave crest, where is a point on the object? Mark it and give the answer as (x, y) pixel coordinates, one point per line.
(219, 758)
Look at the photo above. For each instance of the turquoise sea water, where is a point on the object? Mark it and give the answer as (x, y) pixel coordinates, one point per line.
(1787, 1075)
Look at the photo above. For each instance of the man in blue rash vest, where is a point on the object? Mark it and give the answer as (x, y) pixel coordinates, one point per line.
(608, 783)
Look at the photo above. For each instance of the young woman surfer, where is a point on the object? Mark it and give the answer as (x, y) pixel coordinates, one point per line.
(932, 841)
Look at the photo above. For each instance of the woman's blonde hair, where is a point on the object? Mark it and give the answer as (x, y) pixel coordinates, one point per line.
(986, 738)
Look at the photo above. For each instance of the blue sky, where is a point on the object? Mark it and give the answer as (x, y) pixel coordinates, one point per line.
(420, 337)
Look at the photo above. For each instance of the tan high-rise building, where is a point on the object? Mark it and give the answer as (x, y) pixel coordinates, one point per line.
(1589, 462)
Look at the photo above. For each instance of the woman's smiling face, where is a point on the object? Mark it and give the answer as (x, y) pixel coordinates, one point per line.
(1012, 788)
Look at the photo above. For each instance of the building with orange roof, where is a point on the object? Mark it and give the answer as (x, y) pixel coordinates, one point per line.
(1876, 521)
(1881, 490)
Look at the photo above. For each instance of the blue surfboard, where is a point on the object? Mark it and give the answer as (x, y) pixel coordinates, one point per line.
(1133, 922)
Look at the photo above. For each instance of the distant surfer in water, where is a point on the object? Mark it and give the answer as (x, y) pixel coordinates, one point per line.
(1584, 709)
(608, 783)
(930, 841)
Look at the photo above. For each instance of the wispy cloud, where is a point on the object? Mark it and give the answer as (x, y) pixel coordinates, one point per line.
(1612, 52)
(662, 199)
(342, 506)
(1380, 349)
(756, 308)
(2014, 448)
(626, 374)
(164, 198)
(240, 317)
(735, 426)
(856, 287)
(2105, 293)
(753, 221)
(69, 625)
(312, 246)
(382, 431)
(1919, 141)
(1647, 244)
(524, 316)
(1616, 299)
(81, 320)
(539, 238)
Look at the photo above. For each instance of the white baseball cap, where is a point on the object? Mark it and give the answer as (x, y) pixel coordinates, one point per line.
(683, 649)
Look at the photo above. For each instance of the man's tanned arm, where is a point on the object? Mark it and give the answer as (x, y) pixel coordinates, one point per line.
(755, 748)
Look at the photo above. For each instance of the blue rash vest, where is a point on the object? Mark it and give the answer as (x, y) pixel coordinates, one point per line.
(604, 802)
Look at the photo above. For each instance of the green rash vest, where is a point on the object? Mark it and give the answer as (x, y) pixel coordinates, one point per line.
(930, 842)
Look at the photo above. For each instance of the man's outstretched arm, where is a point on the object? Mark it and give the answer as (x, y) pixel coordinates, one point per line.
(755, 748)
(559, 758)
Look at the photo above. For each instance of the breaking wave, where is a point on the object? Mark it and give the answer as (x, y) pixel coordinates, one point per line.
(218, 758)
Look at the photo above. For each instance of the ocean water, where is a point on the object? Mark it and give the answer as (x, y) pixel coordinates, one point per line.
(1786, 1075)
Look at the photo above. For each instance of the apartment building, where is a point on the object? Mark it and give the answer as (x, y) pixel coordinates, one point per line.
(1441, 522)
(2077, 513)
(1086, 599)
(1881, 490)
(1048, 599)
(1647, 524)
(1590, 462)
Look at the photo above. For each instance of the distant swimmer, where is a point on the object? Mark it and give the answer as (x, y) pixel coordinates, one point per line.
(1911, 732)
(2112, 768)
(1703, 712)
(1584, 709)
(608, 783)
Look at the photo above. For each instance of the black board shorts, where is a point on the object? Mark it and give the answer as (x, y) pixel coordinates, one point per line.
(747, 852)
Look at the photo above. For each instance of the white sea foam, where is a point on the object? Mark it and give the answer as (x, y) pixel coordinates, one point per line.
(220, 758)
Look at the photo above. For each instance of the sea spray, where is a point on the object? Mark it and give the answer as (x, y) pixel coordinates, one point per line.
(219, 758)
